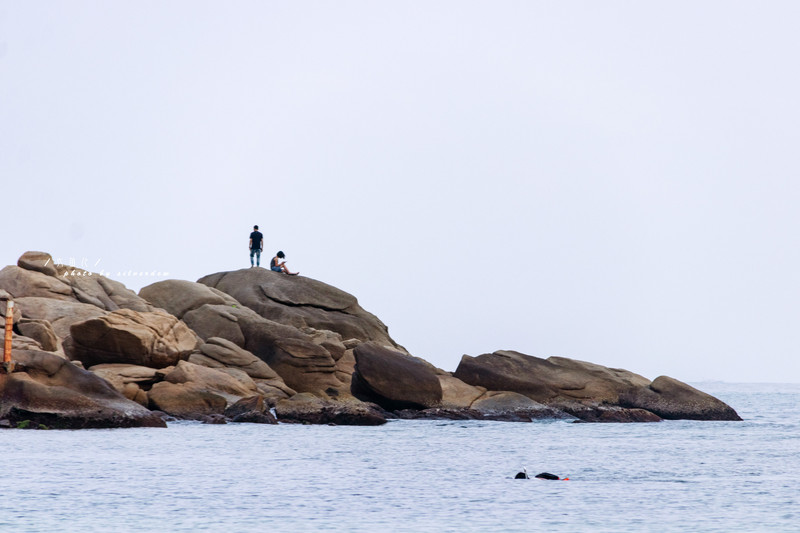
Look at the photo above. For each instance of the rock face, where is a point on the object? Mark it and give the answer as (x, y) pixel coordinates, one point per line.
(394, 380)
(588, 391)
(235, 343)
(155, 339)
(49, 390)
(304, 365)
(301, 302)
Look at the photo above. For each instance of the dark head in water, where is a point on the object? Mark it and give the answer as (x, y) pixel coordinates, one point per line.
(543, 475)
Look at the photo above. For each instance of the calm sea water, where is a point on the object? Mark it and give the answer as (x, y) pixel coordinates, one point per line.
(416, 475)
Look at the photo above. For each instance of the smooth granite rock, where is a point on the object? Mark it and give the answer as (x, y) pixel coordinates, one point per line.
(49, 390)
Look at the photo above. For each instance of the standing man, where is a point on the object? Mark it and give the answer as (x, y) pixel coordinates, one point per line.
(256, 246)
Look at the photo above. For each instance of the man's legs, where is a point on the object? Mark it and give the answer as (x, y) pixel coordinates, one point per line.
(257, 253)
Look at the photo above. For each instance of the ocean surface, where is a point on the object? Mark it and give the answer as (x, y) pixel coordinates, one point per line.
(416, 475)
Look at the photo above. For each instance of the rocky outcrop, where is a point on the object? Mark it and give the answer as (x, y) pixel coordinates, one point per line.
(394, 380)
(588, 391)
(235, 343)
(155, 339)
(49, 390)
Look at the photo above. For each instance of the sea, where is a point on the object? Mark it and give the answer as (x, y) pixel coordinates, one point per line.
(407, 475)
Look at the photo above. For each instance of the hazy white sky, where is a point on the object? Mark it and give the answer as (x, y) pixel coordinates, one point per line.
(610, 181)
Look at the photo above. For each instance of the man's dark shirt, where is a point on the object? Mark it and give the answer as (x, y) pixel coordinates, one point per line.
(256, 236)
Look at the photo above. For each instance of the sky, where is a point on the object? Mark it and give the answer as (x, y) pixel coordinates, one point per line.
(615, 182)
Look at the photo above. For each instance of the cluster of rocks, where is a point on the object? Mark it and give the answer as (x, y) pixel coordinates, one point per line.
(257, 346)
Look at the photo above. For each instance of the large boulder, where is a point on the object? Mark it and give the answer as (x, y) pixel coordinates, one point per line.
(228, 383)
(182, 400)
(194, 391)
(178, 297)
(394, 380)
(301, 302)
(155, 339)
(49, 390)
(41, 331)
(38, 262)
(673, 399)
(547, 380)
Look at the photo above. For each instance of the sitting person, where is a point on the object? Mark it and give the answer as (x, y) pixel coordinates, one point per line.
(277, 265)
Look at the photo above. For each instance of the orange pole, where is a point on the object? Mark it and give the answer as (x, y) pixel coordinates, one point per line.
(9, 326)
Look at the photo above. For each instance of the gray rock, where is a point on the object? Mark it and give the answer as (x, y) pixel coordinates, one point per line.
(183, 400)
(673, 399)
(394, 380)
(309, 409)
(61, 314)
(301, 302)
(547, 380)
(38, 262)
(36, 276)
(155, 339)
(502, 405)
(41, 331)
(49, 390)
(252, 410)
(302, 364)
